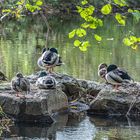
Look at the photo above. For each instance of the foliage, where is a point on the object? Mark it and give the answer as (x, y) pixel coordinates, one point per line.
(92, 22)
(86, 10)
(132, 41)
(16, 8)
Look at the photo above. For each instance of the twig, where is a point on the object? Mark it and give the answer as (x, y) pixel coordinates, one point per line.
(4, 16)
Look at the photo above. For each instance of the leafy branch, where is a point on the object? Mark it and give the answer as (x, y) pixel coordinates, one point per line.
(92, 22)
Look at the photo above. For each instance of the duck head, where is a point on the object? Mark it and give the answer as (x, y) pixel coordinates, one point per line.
(102, 65)
(54, 50)
(19, 75)
(111, 67)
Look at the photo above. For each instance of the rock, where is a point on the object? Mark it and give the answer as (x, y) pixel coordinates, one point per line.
(93, 88)
(124, 101)
(101, 97)
(69, 85)
(39, 106)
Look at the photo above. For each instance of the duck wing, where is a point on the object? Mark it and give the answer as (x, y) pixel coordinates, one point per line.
(123, 74)
(24, 84)
(15, 84)
(114, 77)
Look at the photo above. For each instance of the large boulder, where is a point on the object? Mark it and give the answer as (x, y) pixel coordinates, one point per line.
(38, 106)
(68, 84)
(124, 101)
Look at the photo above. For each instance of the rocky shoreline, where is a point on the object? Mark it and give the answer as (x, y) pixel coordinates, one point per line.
(71, 95)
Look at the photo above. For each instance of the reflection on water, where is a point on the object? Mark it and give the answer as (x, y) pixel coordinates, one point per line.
(85, 128)
(21, 43)
(116, 128)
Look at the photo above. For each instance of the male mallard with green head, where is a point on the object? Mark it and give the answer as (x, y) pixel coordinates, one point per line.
(117, 76)
(49, 59)
(20, 84)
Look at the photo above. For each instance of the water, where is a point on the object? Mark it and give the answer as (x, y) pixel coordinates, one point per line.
(76, 128)
(21, 43)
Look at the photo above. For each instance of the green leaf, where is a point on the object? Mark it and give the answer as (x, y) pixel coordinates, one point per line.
(83, 48)
(134, 46)
(39, 3)
(86, 44)
(120, 18)
(90, 10)
(133, 39)
(100, 22)
(81, 32)
(89, 18)
(79, 8)
(84, 2)
(6, 10)
(106, 9)
(86, 12)
(138, 39)
(85, 25)
(130, 10)
(127, 42)
(77, 43)
(97, 37)
(93, 26)
(72, 33)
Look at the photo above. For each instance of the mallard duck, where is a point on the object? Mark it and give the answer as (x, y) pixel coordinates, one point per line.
(102, 70)
(20, 84)
(2, 77)
(49, 59)
(116, 76)
(46, 82)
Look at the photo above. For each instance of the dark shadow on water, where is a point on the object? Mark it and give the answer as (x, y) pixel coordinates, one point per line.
(36, 130)
(46, 131)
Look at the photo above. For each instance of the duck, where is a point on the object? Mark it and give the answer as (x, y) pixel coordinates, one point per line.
(3, 77)
(46, 82)
(116, 76)
(20, 84)
(49, 59)
(102, 70)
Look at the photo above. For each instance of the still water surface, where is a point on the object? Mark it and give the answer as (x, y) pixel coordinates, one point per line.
(76, 128)
(21, 43)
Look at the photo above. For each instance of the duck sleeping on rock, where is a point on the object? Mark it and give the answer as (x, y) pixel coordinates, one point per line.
(46, 82)
(49, 59)
(117, 76)
(20, 84)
